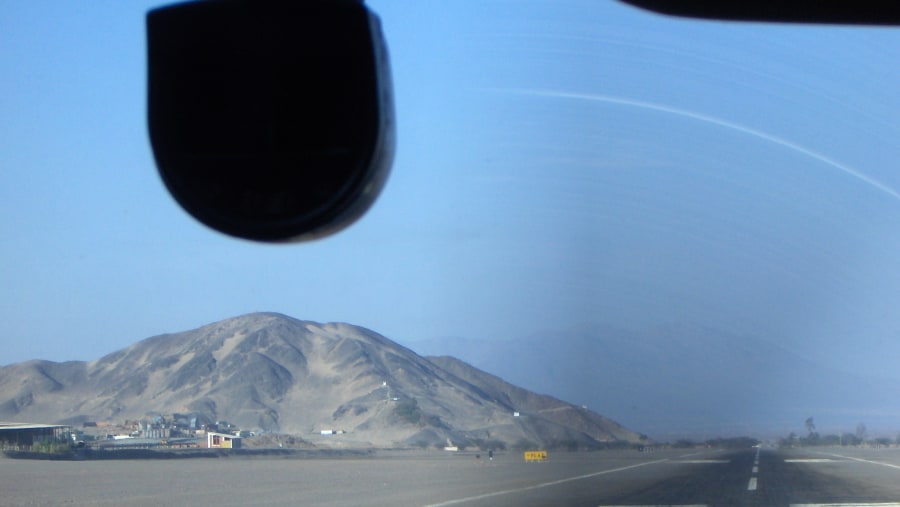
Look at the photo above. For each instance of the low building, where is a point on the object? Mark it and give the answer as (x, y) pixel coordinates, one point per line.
(216, 440)
(23, 436)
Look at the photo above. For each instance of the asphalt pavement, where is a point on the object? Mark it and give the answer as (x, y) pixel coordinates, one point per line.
(749, 477)
(833, 477)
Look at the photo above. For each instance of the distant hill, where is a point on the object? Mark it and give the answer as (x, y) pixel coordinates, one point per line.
(270, 372)
(681, 380)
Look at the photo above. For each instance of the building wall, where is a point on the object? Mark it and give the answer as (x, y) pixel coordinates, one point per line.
(23, 437)
(222, 441)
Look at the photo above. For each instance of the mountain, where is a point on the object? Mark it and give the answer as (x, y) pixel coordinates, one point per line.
(686, 380)
(271, 372)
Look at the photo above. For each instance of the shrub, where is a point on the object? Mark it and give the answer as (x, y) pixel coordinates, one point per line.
(408, 411)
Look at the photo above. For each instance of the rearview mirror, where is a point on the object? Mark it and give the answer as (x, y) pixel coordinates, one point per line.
(270, 120)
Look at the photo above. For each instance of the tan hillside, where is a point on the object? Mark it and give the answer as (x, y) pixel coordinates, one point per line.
(270, 372)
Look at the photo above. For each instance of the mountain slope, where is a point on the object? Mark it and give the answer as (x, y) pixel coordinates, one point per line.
(550, 409)
(679, 380)
(271, 372)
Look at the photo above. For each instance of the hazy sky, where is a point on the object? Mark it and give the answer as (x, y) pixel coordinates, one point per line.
(557, 163)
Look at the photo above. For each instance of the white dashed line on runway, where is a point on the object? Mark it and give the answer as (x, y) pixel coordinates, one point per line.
(754, 482)
(751, 486)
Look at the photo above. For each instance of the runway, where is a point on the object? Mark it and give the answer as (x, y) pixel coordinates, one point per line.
(751, 477)
(748, 477)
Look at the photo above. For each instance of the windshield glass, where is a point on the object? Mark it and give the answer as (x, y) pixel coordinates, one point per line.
(688, 227)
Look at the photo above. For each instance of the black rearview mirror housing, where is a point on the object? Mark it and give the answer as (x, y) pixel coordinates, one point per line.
(270, 120)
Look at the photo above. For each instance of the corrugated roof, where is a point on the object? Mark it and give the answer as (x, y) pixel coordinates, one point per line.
(27, 426)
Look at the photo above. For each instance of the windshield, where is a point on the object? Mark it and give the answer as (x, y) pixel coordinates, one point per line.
(688, 227)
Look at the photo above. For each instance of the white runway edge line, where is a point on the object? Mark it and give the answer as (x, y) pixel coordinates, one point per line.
(868, 461)
(542, 485)
(692, 454)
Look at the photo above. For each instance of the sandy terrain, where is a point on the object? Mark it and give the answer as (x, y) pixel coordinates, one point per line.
(384, 478)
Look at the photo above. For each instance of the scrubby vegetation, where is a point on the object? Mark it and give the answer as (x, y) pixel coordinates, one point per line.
(718, 443)
(813, 438)
(408, 411)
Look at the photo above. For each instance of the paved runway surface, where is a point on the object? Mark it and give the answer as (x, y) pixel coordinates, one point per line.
(720, 478)
(801, 477)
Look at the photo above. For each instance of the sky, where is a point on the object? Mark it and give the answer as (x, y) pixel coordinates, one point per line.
(557, 163)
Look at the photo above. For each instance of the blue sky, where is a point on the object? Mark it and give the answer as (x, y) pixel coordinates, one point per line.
(557, 163)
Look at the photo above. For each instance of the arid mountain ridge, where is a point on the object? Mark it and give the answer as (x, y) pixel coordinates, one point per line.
(687, 380)
(271, 372)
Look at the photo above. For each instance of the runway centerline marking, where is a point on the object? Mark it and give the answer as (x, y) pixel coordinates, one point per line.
(543, 485)
(751, 486)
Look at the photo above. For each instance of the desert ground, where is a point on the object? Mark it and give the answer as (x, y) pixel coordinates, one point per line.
(707, 477)
(382, 478)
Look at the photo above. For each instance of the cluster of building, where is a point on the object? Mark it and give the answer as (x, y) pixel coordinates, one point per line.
(158, 431)
(174, 431)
